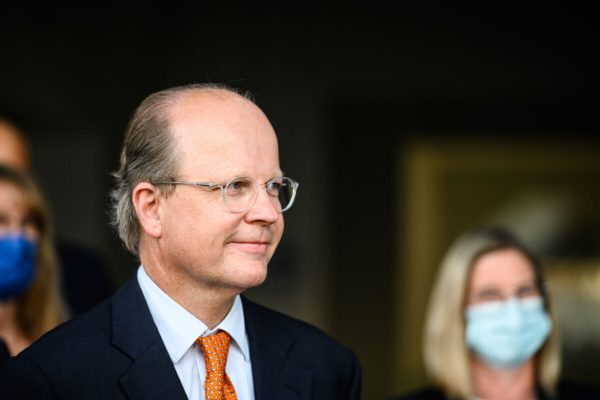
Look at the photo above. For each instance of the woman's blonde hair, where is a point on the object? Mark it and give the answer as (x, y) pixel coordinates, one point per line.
(445, 352)
(41, 307)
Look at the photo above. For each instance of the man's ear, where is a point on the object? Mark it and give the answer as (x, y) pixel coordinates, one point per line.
(146, 200)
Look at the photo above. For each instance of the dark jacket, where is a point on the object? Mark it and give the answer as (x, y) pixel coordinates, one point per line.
(115, 351)
(3, 351)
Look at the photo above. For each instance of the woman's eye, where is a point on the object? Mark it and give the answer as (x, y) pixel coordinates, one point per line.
(528, 291)
(486, 295)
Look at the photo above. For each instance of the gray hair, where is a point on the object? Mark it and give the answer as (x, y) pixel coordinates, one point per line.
(149, 154)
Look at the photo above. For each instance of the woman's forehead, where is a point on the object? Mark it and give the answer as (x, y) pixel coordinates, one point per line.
(502, 268)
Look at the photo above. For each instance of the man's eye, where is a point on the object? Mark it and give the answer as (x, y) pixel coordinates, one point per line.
(235, 185)
(238, 186)
(274, 186)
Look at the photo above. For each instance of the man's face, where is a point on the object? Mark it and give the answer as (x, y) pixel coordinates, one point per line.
(202, 242)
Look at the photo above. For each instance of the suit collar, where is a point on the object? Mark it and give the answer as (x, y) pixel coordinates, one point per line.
(152, 374)
(275, 375)
(179, 329)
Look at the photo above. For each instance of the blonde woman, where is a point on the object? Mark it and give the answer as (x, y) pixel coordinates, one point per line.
(30, 303)
(490, 330)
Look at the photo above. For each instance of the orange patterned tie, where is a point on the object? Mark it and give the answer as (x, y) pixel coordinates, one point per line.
(215, 348)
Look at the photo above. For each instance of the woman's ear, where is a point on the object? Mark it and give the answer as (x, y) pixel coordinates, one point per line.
(145, 198)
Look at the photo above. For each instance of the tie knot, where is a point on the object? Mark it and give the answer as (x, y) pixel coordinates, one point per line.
(215, 349)
(221, 339)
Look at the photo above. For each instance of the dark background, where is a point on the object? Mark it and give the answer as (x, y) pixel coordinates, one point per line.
(345, 86)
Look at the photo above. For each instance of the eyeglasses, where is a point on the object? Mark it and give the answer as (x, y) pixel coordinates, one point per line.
(240, 194)
(495, 294)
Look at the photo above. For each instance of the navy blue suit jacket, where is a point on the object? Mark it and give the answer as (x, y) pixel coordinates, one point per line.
(114, 351)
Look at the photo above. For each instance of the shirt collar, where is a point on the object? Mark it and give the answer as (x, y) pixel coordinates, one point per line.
(179, 329)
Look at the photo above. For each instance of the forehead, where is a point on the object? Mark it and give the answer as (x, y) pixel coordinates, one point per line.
(12, 198)
(223, 131)
(501, 269)
(13, 151)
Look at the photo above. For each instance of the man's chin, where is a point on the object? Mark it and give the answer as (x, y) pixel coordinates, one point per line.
(256, 281)
(252, 277)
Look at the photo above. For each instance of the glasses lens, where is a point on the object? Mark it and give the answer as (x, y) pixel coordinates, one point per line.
(240, 194)
(284, 191)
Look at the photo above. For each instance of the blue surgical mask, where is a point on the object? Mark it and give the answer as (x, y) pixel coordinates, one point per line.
(17, 261)
(505, 334)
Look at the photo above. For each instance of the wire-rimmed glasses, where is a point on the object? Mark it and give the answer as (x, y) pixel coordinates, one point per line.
(239, 194)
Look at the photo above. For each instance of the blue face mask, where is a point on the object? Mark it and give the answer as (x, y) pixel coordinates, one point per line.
(505, 334)
(17, 260)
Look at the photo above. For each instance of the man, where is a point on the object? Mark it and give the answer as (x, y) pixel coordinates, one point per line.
(85, 280)
(199, 199)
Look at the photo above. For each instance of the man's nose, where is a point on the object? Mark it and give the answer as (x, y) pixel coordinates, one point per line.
(265, 207)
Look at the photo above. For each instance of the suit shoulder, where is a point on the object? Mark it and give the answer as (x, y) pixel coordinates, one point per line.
(336, 370)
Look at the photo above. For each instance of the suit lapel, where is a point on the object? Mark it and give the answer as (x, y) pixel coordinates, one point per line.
(152, 374)
(275, 375)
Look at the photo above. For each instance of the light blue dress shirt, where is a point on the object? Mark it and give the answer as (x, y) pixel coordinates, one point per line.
(179, 330)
